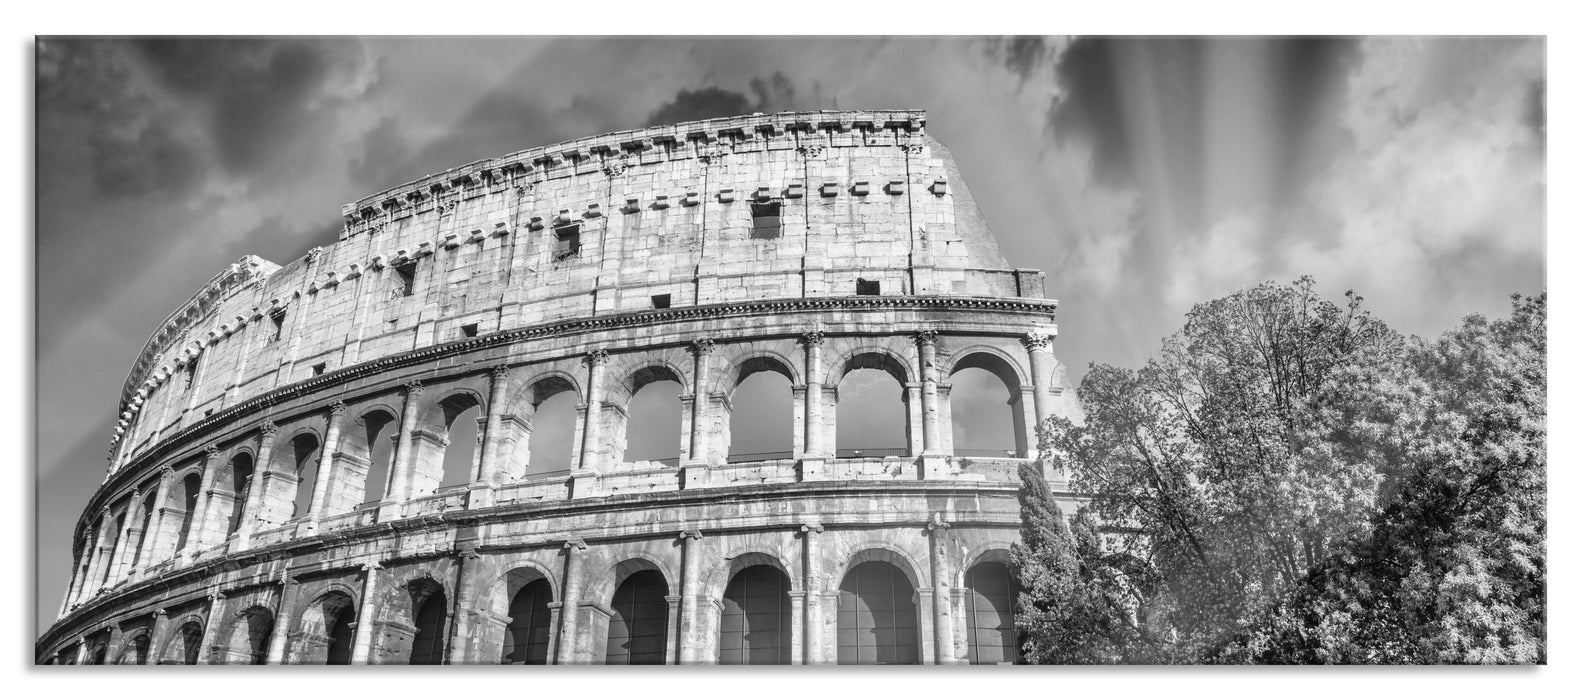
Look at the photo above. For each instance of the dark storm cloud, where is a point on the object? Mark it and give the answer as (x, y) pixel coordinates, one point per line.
(85, 92)
(383, 151)
(1537, 113)
(1019, 54)
(257, 92)
(772, 95)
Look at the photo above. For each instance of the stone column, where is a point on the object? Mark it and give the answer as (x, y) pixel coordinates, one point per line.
(566, 653)
(695, 471)
(944, 621)
(255, 494)
(488, 476)
(401, 462)
(362, 641)
(691, 551)
(283, 615)
(588, 467)
(813, 451)
(324, 475)
(928, 375)
(156, 522)
(466, 592)
(203, 520)
(157, 635)
(813, 585)
(1041, 356)
(212, 620)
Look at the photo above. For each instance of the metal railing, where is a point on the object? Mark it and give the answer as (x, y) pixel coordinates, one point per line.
(759, 456)
(862, 452)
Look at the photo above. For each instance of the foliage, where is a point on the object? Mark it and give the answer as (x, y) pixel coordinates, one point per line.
(1289, 481)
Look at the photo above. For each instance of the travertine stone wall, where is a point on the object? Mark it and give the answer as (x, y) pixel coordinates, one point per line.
(263, 395)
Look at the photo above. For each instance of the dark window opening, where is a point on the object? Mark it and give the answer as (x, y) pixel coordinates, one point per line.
(527, 635)
(661, 301)
(755, 622)
(319, 368)
(639, 623)
(877, 618)
(991, 626)
(187, 376)
(407, 276)
(469, 331)
(277, 317)
(568, 241)
(867, 288)
(428, 642)
(766, 220)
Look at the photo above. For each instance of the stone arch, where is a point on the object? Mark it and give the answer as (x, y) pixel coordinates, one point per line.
(987, 611)
(535, 445)
(246, 635)
(623, 567)
(863, 553)
(718, 576)
(764, 412)
(1011, 376)
(433, 440)
(182, 645)
(867, 424)
(323, 631)
(750, 361)
(638, 630)
(298, 456)
(517, 628)
(366, 452)
(430, 616)
(513, 575)
(137, 645)
(621, 415)
(879, 609)
(872, 356)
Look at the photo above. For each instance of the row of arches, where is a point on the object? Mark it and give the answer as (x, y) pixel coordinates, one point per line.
(876, 623)
(542, 434)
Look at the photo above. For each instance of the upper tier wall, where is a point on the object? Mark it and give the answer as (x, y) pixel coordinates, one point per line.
(661, 211)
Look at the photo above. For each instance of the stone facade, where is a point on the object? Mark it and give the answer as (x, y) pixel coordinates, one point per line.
(235, 524)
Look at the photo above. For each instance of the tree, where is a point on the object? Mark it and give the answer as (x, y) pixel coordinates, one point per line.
(1452, 567)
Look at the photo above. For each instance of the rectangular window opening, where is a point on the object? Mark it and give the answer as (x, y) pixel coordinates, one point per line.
(766, 219)
(407, 278)
(278, 318)
(568, 241)
(867, 288)
(661, 301)
(469, 331)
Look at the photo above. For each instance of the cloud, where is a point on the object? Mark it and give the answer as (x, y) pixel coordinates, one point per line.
(772, 95)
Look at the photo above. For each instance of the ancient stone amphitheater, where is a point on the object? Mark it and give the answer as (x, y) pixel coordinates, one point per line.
(411, 446)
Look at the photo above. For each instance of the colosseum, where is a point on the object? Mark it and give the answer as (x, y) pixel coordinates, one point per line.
(411, 446)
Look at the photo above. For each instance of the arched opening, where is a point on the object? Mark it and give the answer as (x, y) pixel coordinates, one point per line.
(527, 634)
(986, 412)
(342, 633)
(113, 544)
(871, 410)
(755, 623)
(189, 508)
(368, 448)
(554, 425)
(877, 621)
(136, 652)
(249, 641)
(184, 649)
(653, 423)
(462, 447)
(97, 653)
(305, 466)
(428, 641)
(761, 412)
(241, 483)
(640, 621)
(991, 624)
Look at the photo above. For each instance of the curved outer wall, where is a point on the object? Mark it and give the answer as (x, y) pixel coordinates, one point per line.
(504, 282)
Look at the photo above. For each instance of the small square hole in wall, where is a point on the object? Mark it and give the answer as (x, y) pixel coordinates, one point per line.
(278, 318)
(319, 368)
(208, 412)
(406, 278)
(766, 220)
(568, 241)
(867, 288)
(661, 301)
(469, 331)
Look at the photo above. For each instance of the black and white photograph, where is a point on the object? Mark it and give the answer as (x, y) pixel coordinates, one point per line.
(1135, 350)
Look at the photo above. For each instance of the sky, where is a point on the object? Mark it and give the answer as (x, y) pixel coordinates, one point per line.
(1142, 175)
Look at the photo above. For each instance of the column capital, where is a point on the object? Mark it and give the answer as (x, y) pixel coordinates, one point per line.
(211, 450)
(337, 407)
(414, 387)
(702, 346)
(812, 527)
(135, 493)
(926, 337)
(812, 338)
(499, 372)
(937, 523)
(575, 543)
(161, 612)
(468, 552)
(595, 358)
(372, 566)
(690, 535)
(1038, 341)
(268, 429)
(166, 472)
